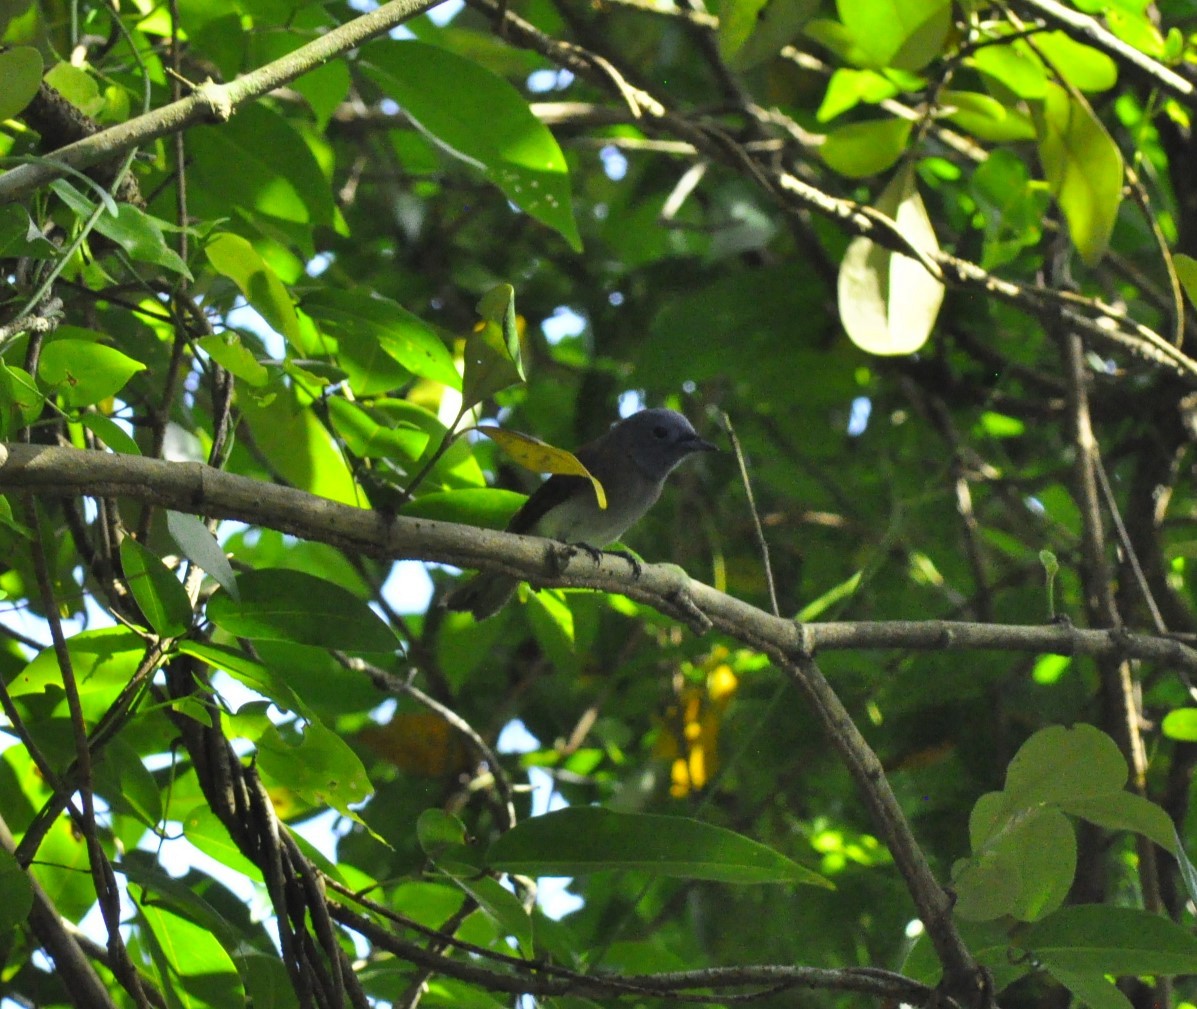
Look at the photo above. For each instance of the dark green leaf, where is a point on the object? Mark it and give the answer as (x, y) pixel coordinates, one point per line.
(200, 547)
(586, 839)
(381, 326)
(1060, 764)
(483, 120)
(281, 605)
(1103, 939)
(20, 77)
(16, 893)
(158, 593)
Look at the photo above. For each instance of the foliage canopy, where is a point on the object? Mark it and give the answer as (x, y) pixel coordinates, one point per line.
(268, 263)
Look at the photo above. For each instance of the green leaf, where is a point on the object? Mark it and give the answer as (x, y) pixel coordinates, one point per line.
(121, 777)
(1022, 866)
(1126, 811)
(20, 78)
(774, 24)
(199, 546)
(103, 661)
(584, 839)
(227, 350)
(737, 19)
(481, 119)
(371, 329)
(365, 437)
(502, 907)
(889, 302)
(299, 447)
(255, 675)
(1059, 764)
(260, 162)
(865, 148)
(16, 892)
(135, 231)
(203, 828)
(1085, 68)
(848, 87)
(486, 507)
(1015, 66)
(1186, 272)
(191, 962)
(1083, 167)
(986, 885)
(837, 593)
(906, 34)
(82, 372)
(986, 117)
(110, 433)
(20, 398)
(281, 605)
(493, 358)
(320, 767)
(159, 594)
(233, 257)
(1103, 939)
(77, 86)
(1091, 989)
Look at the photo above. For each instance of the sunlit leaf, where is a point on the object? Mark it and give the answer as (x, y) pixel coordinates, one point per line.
(82, 372)
(541, 457)
(889, 302)
(1083, 166)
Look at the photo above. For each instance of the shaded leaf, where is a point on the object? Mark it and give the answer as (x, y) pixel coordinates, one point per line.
(586, 839)
(159, 594)
(281, 605)
(199, 546)
(20, 78)
(481, 119)
(1103, 939)
(1083, 167)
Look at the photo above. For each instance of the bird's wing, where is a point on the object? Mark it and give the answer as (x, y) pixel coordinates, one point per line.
(554, 491)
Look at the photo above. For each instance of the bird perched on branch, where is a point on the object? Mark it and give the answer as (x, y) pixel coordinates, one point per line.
(631, 461)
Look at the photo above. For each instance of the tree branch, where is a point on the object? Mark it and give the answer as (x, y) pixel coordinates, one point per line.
(210, 102)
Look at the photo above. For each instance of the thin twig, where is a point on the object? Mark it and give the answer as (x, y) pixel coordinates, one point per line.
(758, 529)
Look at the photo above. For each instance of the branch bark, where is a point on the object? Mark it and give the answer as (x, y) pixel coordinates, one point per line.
(209, 102)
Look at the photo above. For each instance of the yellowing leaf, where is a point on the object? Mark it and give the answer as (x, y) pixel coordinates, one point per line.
(541, 457)
(889, 302)
(1083, 168)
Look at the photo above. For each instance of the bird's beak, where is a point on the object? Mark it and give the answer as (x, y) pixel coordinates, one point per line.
(697, 444)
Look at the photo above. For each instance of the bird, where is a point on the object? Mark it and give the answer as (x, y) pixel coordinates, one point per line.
(632, 461)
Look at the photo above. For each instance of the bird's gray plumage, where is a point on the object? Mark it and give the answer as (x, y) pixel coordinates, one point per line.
(631, 461)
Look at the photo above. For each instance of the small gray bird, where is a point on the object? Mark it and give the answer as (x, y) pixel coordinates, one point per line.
(631, 461)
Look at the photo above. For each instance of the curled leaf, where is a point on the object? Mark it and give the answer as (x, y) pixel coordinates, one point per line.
(541, 457)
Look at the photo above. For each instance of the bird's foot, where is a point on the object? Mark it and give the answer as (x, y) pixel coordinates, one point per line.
(631, 558)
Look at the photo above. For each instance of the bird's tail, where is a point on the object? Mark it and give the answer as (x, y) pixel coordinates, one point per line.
(483, 595)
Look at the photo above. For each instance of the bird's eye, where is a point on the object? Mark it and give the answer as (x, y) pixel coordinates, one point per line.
(660, 431)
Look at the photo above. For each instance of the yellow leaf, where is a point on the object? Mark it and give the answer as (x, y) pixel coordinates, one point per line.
(541, 457)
